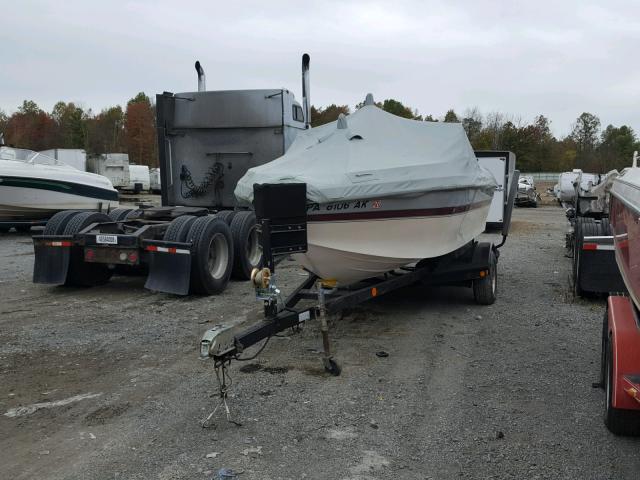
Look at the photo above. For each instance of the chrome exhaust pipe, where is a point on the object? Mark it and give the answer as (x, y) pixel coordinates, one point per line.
(306, 93)
(202, 79)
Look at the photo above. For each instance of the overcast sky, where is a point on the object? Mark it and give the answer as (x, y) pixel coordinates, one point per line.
(557, 58)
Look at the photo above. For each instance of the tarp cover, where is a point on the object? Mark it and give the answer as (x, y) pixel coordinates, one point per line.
(372, 153)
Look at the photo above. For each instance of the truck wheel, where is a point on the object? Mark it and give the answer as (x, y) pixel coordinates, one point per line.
(118, 214)
(226, 216)
(246, 245)
(133, 214)
(179, 229)
(211, 255)
(57, 223)
(486, 288)
(618, 421)
(80, 273)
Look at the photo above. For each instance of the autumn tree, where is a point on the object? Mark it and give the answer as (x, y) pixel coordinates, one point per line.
(30, 127)
(71, 121)
(105, 131)
(139, 125)
(4, 119)
(320, 116)
(585, 135)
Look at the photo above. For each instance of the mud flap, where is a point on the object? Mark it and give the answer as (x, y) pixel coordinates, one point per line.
(169, 266)
(52, 259)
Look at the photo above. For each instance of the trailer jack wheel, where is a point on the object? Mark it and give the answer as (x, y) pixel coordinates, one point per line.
(331, 366)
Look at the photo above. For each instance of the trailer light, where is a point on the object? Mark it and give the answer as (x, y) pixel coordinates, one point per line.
(89, 254)
(123, 256)
(374, 292)
(482, 274)
(133, 257)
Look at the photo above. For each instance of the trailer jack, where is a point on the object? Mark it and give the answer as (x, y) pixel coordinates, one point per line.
(221, 376)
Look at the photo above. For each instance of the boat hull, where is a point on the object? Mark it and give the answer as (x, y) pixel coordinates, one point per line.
(351, 241)
(624, 215)
(23, 204)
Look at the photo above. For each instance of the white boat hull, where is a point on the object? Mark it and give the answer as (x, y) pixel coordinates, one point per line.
(22, 204)
(351, 250)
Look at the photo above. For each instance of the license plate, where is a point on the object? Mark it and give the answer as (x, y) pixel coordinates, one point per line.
(107, 239)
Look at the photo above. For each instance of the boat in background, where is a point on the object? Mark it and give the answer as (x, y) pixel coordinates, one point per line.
(527, 196)
(34, 186)
(382, 192)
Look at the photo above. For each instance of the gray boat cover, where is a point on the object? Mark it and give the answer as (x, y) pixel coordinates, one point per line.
(372, 154)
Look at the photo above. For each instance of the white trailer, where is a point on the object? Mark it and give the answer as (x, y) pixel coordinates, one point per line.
(139, 179)
(502, 165)
(74, 157)
(114, 166)
(154, 180)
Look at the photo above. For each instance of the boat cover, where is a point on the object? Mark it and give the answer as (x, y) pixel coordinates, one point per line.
(370, 154)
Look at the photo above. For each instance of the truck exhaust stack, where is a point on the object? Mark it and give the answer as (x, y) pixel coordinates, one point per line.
(306, 94)
(202, 79)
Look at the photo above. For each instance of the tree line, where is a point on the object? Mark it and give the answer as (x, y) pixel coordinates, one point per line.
(537, 150)
(113, 130)
(132, 130)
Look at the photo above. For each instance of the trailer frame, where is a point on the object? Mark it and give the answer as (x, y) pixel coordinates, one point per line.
(474, 262)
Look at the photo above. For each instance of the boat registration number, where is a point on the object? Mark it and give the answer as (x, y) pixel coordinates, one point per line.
(107, 239)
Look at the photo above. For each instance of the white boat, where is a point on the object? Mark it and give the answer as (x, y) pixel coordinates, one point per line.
(576, 180)
(382, 191)
(34, 186)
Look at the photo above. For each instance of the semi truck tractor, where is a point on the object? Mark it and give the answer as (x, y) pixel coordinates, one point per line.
(199, 237)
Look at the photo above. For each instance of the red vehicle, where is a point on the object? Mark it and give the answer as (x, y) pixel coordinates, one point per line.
(621, 327)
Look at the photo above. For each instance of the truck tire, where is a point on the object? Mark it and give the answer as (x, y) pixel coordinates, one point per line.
(179, 229)
(618, 421)
(57, 223)
(80, 273)
(133, 214)
(485, 288)
(246, 245)
(211, 255)
(119, 214)
(226, 216)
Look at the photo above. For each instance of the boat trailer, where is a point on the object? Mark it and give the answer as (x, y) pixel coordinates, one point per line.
(281, 216)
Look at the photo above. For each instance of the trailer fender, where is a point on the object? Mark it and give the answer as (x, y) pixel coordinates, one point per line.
(52, 255)
(624, 338)
(482, 254)
(169, 266)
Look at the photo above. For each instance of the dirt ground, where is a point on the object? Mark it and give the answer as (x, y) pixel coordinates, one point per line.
(112, 386)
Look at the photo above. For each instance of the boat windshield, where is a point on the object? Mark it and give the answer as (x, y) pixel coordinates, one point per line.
(29, 156)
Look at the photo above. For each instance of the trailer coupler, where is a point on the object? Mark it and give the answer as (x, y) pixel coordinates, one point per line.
(169, 266)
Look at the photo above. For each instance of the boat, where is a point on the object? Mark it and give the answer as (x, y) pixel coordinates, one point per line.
(527, 196)
(34, 186)
(624, 211)
(382, 191)
(572, 183)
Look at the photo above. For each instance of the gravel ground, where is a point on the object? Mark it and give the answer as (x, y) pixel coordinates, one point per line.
(466, 391)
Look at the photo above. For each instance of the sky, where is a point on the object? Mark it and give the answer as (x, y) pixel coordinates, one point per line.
(557, 58)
